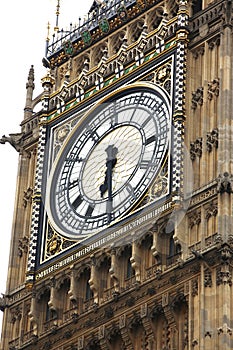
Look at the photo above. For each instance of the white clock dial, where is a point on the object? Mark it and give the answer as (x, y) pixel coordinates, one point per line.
(108, 162)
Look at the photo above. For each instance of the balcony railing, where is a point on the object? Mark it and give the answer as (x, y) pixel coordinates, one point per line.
(92, 22)
(152, 272)
(171, 260)
(70, 315)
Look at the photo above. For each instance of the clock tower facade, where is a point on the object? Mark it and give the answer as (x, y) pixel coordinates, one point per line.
(122, 226)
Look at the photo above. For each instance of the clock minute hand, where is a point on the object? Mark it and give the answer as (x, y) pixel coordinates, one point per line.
(107, 185)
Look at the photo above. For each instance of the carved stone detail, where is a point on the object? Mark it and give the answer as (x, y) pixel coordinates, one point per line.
(211, 210)
(224, 275)
(207, 278)
(2, 302)
(23, 246)
(197, 98)
(92, 344)
(194, 342)
(16, 314)
(225, 183)
(194, 287)
(214, 42)
(196, 148)
(212, 140)
(194, 218)
(15, 140)
(27, 197)
(163, 76)
(213, 89)
(135, 322)
(126, 338)
(178, 300)
(199, 51)
(225, 329)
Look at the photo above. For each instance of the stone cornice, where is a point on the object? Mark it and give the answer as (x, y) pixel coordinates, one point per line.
(208, 22)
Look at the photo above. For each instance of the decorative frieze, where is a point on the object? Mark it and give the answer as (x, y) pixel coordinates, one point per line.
(196, 148)
(205, 193)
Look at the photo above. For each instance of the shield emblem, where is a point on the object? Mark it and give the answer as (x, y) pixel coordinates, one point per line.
(104, 25)
(86, 36)
(68, 47)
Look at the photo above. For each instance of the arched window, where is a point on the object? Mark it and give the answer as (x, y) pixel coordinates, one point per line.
(174, 251)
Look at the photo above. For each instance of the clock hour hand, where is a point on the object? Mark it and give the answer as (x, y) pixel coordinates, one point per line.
(110, 164)
(107, 185)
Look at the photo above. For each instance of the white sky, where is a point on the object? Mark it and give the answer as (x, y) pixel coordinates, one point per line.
(23, 34)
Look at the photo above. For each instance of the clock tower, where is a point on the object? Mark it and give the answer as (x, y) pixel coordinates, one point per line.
(122, 227)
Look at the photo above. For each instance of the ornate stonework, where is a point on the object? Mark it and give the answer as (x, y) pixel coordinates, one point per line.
(148, 280)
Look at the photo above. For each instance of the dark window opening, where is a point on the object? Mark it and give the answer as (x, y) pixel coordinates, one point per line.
(197, 6)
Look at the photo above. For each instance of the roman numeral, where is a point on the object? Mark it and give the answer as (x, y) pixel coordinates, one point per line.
(146, 122)
(130, 189)
(77, 202)
(89, 210)
(114, 119)
(146, 163)
(74, 159)
(73, 184)
(93, 134)
(150, 140)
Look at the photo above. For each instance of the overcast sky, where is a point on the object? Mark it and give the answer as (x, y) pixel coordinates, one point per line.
(24, 31)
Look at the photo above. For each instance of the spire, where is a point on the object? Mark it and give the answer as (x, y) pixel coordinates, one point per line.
(47, 39)
(30, 87)
(56, 28)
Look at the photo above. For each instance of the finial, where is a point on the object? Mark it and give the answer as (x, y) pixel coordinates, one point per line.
(47, 39)
(47, 81)
(48, 31)
(56, 28)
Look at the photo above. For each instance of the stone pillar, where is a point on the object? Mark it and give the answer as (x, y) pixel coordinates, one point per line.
(73, 292)
(225, 128)
(136, 261)
(94, 282)
(146, 322)
(114, 270)
(125, 333)
(33, 314)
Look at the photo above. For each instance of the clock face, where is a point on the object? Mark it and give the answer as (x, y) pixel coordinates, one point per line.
(108, 162)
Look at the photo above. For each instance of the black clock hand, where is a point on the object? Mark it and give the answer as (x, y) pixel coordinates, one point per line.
(107, 185)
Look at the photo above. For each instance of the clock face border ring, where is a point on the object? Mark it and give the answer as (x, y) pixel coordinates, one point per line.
(164, 113)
